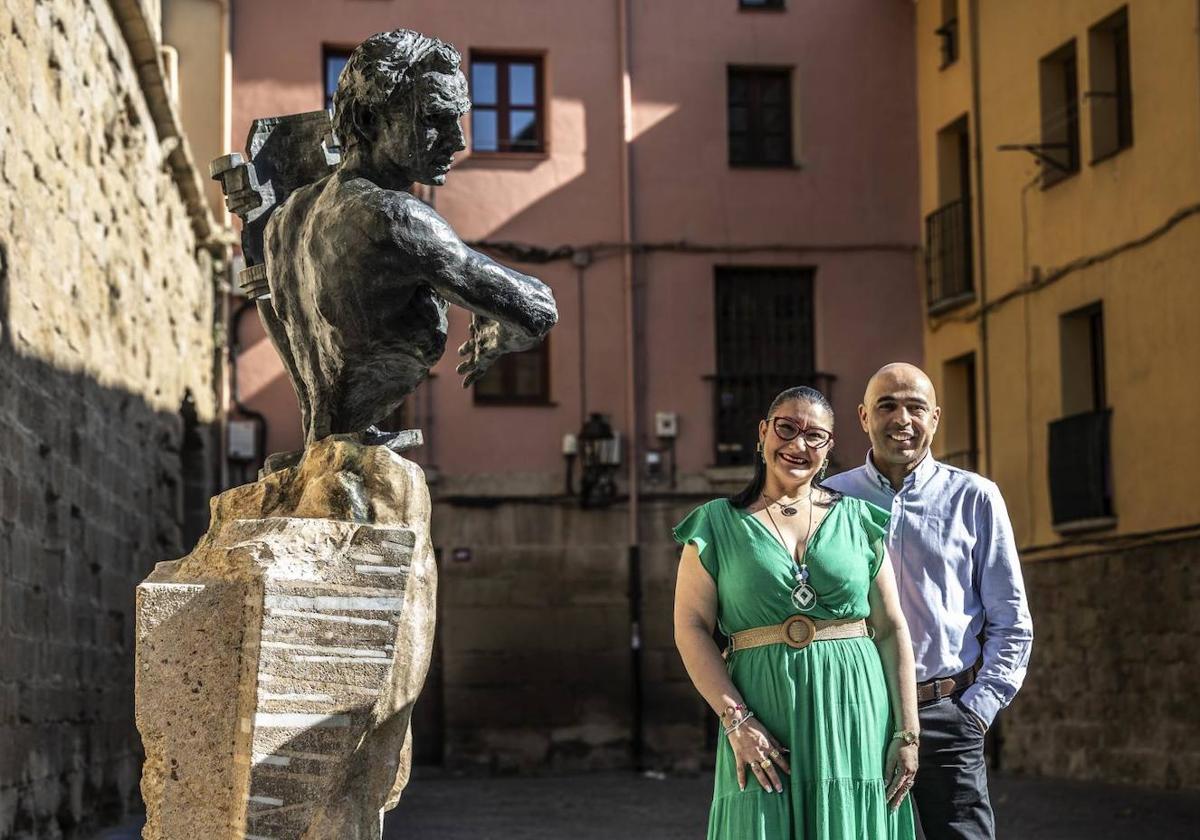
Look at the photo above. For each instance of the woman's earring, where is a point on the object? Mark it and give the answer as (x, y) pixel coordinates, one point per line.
(759, 450)
(824, 469)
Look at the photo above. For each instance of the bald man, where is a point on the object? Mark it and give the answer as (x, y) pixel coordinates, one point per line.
(955, 559)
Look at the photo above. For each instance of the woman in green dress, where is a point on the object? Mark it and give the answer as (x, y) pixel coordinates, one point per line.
(818, 706)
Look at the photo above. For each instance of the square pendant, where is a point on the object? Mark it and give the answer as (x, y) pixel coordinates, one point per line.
(804, 597)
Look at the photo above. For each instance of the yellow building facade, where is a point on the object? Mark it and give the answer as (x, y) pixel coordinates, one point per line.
(1060, 193)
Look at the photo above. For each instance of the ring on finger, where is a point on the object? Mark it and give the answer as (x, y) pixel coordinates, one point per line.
(765, 764)
(774, 754)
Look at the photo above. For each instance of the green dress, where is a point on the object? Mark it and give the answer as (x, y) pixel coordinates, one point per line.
(827, 703)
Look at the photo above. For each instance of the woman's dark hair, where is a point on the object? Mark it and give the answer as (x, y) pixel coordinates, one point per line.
(749, 494)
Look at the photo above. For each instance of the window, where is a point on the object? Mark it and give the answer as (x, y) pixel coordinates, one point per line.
(948, 32)
(764, 332)
(948, 251)
(1058, 80)
(333, 59)
(1080, 463)
(517, 379)
(1082, 346)
(756, 5)
(760, 116)
(958, 429)
(1111, 95)
(507, 110)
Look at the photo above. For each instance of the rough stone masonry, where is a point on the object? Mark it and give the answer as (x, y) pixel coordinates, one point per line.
(106, 386)
(278, 663)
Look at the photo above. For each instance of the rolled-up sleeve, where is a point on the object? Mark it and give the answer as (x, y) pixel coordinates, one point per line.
(1008, 626)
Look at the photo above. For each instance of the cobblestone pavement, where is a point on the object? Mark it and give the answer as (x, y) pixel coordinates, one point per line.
(623, 806)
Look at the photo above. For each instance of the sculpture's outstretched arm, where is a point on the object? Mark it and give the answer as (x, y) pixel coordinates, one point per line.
(522, 305)
(513, 311)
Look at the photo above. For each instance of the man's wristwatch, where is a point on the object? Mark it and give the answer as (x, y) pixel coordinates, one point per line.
(907, 736)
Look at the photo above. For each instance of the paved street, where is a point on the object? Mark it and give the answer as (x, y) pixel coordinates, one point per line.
(602, 807)
(628, 807)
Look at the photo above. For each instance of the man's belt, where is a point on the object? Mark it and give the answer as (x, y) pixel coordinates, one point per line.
(931, 690)
(798, 632)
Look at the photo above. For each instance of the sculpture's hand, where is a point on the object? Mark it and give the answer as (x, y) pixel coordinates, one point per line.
(481, 349)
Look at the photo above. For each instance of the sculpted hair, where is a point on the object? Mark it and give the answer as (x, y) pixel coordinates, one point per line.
(749, 494)
(386, 69)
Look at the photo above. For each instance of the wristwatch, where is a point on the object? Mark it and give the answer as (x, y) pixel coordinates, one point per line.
(907, 736)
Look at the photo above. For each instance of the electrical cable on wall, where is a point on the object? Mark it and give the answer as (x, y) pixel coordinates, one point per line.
(1041, 280)
(528, 253)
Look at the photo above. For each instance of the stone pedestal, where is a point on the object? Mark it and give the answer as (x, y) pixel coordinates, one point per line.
(278, 663)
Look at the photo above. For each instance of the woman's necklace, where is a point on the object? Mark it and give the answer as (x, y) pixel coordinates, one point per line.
(788, 509)
(804, 597)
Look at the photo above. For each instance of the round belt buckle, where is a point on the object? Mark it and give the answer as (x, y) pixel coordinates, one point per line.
(798, 631)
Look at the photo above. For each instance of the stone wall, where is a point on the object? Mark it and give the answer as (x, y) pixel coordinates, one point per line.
(1112, 685)
(535, 669)
(106, 391)
(534, 640)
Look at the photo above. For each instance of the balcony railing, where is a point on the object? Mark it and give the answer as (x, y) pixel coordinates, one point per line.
(948, 255)
(740, 401)
(1081, 470)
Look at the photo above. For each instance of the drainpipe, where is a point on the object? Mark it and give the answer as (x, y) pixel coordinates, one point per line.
(997, 731)
(981, 249)
(625, 186)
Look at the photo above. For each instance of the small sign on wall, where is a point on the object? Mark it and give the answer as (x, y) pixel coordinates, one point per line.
(243, 440)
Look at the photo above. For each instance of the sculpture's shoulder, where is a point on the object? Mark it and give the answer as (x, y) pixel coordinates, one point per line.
(383, 213)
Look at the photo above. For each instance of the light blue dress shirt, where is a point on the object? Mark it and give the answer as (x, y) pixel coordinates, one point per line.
(959, 578)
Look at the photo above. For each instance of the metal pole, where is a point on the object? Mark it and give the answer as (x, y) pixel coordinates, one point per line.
(624, 40)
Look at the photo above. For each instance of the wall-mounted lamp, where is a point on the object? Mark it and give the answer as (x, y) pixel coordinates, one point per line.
(600, 453)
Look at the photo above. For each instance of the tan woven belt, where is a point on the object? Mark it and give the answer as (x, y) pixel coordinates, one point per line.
(798, 632)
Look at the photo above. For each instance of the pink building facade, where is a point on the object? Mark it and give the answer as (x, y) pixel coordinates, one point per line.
(723, 197)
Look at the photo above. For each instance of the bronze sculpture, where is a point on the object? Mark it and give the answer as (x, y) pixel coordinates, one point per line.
(359, 271)
(279, 661)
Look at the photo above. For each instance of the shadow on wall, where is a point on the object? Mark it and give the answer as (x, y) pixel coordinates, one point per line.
(96, 486)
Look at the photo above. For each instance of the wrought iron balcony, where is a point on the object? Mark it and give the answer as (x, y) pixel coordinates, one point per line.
(1081, 471)
(948, 256)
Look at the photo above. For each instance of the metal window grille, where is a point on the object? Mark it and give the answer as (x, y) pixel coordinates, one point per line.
(1080, 468)
(764, 332)
(948, 256)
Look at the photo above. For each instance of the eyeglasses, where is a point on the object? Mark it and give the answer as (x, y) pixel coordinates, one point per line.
(814, 437)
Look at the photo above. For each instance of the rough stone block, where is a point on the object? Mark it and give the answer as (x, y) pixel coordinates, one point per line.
(278, 663)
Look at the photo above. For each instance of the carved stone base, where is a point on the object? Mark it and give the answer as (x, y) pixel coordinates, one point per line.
(278, 663)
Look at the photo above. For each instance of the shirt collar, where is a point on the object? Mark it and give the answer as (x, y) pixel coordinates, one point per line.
(913, 481)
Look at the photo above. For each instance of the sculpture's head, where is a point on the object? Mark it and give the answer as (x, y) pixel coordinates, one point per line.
(397, 106)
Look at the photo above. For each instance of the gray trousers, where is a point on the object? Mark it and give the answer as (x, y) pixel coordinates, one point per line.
(951, 791)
